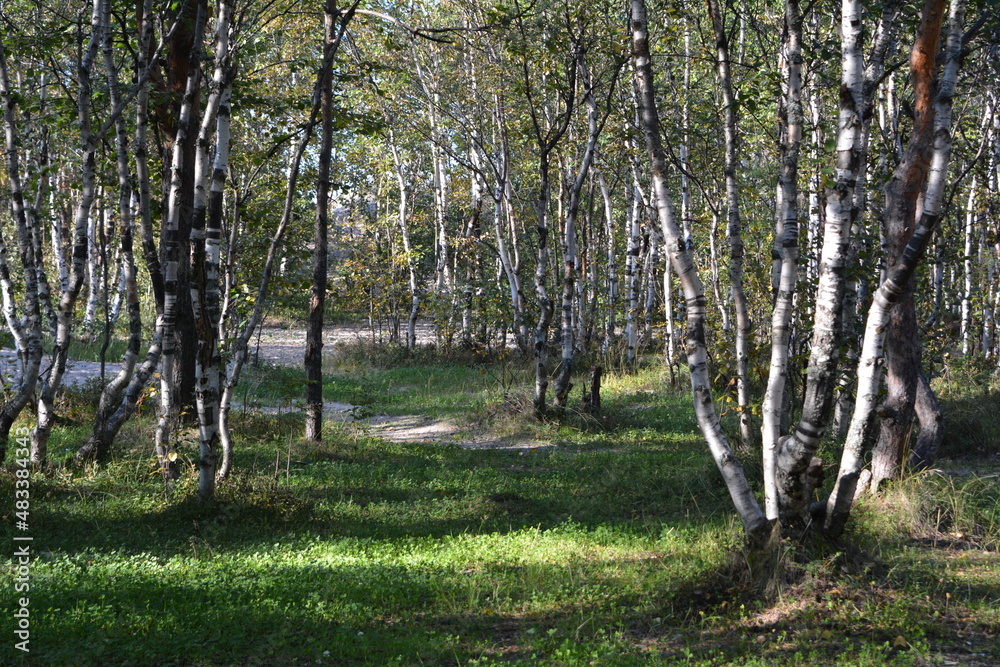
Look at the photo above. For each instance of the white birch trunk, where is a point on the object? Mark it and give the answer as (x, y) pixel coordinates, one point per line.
(204, 246)
(754, 522)
(29, 334)
(734, 228)
(570, 258)
(129, 289)
(172, 253)
(838, 505)
(50, 382)
(970, 224)
(631, 268)
(404, 229)
(611, 330)
(774, 395)
(797, 472)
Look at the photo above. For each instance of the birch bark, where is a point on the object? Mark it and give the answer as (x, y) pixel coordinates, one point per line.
(754, 521)
(797, 473)
(50, 382)
(29, 335)
(172, 260)
(106, 427)
(774, 396)
(570, 259)
(734, 228)
(932, 130)
(204, 246)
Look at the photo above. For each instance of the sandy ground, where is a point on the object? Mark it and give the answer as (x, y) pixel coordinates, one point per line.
(285, 346)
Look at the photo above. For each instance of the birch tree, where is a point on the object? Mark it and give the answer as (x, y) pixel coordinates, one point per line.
(27, 336)
(570, 258)
(169, 381)
(924, 166)
(755, 523)
(51, 381)
(796, 472)
(788, 213)
(734, 228)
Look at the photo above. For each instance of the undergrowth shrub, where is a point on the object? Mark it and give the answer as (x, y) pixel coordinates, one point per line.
(969, 391)
(933, 505)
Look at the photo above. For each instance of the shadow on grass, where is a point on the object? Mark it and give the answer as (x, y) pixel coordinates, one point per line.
(338, 614)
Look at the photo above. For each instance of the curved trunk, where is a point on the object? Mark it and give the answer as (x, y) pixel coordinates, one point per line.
(124, 375)
(902, 195)
(28, 336)
(107, 424)
(51, 382)
(755, 523)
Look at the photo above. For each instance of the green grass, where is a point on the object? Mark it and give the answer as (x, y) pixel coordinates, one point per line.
(617, 547)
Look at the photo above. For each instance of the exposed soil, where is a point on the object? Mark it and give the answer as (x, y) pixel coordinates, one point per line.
(284, 346)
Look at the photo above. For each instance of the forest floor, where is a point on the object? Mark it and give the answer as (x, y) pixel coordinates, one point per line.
(438, 523)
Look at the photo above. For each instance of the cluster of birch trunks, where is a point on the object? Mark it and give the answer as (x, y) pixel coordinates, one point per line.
(573, 138)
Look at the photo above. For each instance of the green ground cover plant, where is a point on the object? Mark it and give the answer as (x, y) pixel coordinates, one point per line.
(615, 545)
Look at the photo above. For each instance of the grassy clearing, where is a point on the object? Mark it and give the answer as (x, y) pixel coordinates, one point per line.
(617, 547)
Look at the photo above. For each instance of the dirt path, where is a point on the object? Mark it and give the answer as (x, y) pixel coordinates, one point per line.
(284, 346)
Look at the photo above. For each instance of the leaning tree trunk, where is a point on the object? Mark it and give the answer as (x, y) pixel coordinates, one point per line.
(126, 227)
(51, 382)
(570, 259)
(885, 37)
(408, 250)
(755, 523)
(902, 346)
(931, 131)
(107, 425)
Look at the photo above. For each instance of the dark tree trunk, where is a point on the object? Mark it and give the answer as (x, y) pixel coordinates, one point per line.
(902, 347)
(314, 332)
(928, 412)
(178, 65)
